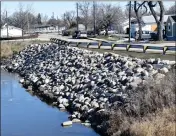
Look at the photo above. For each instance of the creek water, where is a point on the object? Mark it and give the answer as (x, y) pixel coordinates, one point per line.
(25, 115)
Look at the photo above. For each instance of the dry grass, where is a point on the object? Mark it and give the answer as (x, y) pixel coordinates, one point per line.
(8, 48)
(150, 111)
(162, 124)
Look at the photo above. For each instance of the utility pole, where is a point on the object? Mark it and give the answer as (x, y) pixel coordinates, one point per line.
(28, 21)
(130, 21)
(58, 24)
(53, 16)
(77, 15)
(94, 17)
(7, 26)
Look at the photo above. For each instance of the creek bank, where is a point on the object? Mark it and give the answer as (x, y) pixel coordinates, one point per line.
(85, 83)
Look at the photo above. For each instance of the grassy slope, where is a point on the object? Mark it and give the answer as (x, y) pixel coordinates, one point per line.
(10, 47)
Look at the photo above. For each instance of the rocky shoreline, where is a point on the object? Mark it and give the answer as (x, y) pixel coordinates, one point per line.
(83, 82)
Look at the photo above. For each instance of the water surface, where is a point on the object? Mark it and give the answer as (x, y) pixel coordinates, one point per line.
(25, 115)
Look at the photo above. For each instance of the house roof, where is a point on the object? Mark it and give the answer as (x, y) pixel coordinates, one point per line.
(174, 18)
(147, 19)
(10, 27)
(42, 26)
(126, 22)
(150, 19)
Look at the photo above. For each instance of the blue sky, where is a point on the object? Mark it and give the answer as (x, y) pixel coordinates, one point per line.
(58, 7)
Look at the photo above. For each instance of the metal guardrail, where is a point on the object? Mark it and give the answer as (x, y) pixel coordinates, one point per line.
(126, 47)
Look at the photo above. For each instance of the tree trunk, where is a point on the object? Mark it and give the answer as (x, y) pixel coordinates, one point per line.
(86, 26)
(140, 26)
(159, 31)
(106, 32)
(160, 20)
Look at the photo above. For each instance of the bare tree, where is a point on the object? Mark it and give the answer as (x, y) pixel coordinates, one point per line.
(44, 19)
(3, 18)
(39, 19)
(140, 9)
(109, 15)
(69, 18)
(52, 21)
(84, 8)
(171, 10)
(22, 16)
(127, 12)
(159, 20)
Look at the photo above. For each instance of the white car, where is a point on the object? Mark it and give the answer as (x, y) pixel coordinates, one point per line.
(109, 32)
(82, 34)
(60, 32)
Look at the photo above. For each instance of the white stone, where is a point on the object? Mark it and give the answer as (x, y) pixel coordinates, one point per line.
(67, 123)
(75, 120)
(61, 87)
(47, 81)
(164, 70)
(22, 80)
(112, 90)
(61, 106)
(86, 124)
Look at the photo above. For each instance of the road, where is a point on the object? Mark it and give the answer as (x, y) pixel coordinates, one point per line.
(67, 38)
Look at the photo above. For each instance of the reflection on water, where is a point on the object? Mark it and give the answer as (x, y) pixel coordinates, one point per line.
(25, 115)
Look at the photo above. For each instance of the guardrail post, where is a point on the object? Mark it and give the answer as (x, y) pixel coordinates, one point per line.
(164, 50)
(128, 47)
(57, 42)
(145, 48)
(99, 45)
(68, 43)
(88, 45)
(112, 46)
(77, 44)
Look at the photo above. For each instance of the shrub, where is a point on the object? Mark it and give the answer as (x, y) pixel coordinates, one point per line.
(149, 112)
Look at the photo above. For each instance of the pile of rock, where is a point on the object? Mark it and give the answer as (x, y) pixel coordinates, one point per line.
(82, 81)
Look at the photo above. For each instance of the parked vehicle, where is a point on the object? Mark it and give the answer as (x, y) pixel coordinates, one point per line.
(153, 36)
(82, 34)
(79, 34)
(65, 33)
(145, 34)
(60, 33)
(109, 32)
(75, 34)
(90, 34)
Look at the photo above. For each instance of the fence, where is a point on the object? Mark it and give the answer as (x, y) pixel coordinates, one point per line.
(114, 46)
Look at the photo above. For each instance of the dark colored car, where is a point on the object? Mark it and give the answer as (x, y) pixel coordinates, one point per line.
(90, 34)
(153, 36)
(75, 34)
(65, 33)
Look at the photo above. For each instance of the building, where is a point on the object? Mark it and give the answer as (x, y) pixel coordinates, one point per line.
(11, 31)
(148, 24)
(45, 28)
(171, 28)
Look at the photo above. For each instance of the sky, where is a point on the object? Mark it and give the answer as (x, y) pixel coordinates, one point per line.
(58, 7)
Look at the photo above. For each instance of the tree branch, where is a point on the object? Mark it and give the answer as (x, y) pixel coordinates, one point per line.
(151, 6)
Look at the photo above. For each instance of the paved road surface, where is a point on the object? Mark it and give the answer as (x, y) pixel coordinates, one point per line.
(67, 38)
